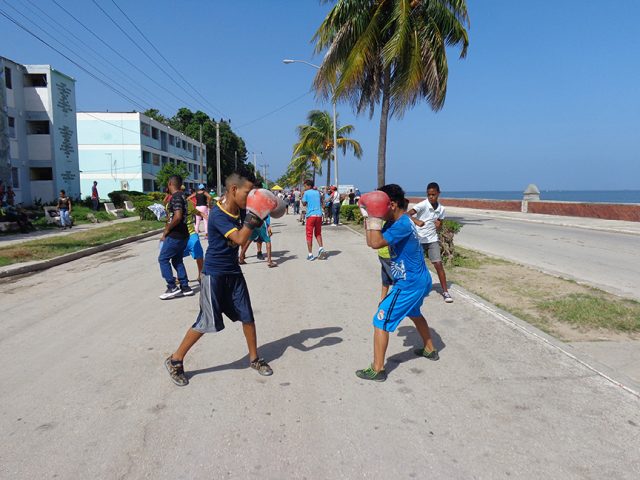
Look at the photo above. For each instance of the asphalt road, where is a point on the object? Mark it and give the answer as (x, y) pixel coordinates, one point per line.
(85, 394)
(605, 259)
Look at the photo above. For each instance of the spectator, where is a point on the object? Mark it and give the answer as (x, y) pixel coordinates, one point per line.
(335, 206)
(296, 201)
(11, 195)
(95, 198)
(64, 209)
(352, 197)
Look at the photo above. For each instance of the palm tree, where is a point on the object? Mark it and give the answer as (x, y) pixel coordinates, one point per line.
(317, 137)
(305, 158)
(389, 51)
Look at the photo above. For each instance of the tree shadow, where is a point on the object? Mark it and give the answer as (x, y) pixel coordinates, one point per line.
(412, 339)
(274, 350)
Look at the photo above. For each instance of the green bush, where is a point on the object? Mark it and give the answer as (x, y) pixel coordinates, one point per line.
(141, 204)
(445, 235)
(347, 212)
(357, 216)
(118, 197)
(156, 196)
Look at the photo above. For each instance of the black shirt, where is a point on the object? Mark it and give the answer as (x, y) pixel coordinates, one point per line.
(178, 203)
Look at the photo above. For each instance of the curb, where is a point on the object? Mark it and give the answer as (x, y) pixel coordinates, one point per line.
(609, 374)
(70, 257)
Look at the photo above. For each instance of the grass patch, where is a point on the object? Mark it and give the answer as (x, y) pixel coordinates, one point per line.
(53, 247)
(594, 311)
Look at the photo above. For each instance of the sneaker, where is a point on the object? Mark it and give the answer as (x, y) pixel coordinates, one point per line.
(447, 297)
(187, 291)
(322, 254)
(176, 372)
(432, 355)
(310, 257)
(171, 293)
(370, 374)
(262, 367)
(260, 256)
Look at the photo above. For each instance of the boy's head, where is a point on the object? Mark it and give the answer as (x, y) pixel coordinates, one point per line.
(174, 183)
(433, 192)
(398, 201)
(238, 186)
(62, 193)
(308, 184)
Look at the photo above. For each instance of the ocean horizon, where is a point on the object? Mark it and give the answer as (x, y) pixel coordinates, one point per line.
(591, 196)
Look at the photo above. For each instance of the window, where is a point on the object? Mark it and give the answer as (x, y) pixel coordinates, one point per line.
(8, 81)
(146, 157)
(156, 159)
(190, 147)
(35, 80)
(147, 184)
(40, 173)
(15, 177)
(190, 168)
(172, 160)
(12, 127)
(155, 133)
(172, 140)
(184, 145)
(37, 127)
(145, 129)
(164, 160)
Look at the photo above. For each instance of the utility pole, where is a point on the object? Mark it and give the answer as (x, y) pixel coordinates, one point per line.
(265, 165)
(235, 163)
(219, 186)
(201, 156)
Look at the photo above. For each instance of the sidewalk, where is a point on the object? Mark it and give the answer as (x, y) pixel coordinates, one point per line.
(7, 240)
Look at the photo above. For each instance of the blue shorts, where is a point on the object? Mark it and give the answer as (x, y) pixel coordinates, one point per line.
(194, 247)
(385, 272)
(222, 293)
(400, 303)
(261, 235)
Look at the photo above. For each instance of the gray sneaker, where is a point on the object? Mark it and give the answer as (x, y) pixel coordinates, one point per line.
(262, 367)
(176, 372)
(447, 297)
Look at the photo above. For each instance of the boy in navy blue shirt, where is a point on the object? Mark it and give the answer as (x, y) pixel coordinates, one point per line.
(411, 279)
(223, 287)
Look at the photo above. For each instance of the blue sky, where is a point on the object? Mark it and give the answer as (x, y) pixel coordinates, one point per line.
(549, 92)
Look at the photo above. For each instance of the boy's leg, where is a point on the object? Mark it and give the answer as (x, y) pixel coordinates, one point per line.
(189, 340)
(259, 245)
(199, 263)
(164, 259)
(178, 263)
(309, 234)
(423, 329)
(249, 330)
(442, 277)
(380, 343)
(384, 292)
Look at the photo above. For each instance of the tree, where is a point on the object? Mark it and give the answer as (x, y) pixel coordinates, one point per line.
(156, 115)
(391, 52)
(316, 140)
(168, 170)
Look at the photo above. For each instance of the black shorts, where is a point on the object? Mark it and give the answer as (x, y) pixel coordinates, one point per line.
(222, 293)
(385, 272)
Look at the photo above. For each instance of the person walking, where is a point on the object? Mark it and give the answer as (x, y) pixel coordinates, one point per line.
(64, 209)
(95, 198)
(335, 206)
(296, 201)
(203, 198)
(312, 200)
(174, 241)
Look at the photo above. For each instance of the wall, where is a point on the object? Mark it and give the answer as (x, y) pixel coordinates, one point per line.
(607, 211)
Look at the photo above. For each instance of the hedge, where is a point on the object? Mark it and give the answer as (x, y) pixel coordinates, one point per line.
(118, 197)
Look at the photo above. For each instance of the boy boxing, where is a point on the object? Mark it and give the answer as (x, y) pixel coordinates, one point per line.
(224, 289)
(412, 281)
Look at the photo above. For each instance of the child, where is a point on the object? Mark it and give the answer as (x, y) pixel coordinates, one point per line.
(312, 200)
(412, 281)
(432, 214)
(260, 235)
(194, 247)
(224, 289)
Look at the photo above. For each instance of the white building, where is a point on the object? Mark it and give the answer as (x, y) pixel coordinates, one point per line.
(125, 151)
(38, 142)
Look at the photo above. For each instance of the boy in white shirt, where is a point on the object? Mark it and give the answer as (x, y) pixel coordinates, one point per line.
(432, 214)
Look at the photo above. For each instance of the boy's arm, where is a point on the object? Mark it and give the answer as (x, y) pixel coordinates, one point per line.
(375, 239)
(240, 237)
(419, 223)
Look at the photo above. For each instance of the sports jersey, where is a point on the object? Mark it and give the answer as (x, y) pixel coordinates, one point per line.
(222, 253)
(407, 260)
(312, 199)
(178, 203)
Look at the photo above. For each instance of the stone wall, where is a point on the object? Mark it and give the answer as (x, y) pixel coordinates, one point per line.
(608, 211)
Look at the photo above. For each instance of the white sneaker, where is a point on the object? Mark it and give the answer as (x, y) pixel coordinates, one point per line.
(310, 257)
(171, 293)
(447, 297)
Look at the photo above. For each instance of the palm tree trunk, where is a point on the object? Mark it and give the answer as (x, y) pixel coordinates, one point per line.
(328, 171)
(384, 120)
(314, 173)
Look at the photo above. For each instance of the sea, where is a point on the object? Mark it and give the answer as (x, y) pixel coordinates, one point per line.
(591, 196)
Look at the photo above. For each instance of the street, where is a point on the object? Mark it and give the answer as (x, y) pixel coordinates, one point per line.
(604, 259)
(85, 393)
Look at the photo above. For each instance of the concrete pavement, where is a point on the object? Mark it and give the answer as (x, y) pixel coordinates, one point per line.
(591, 251)
(85, 394)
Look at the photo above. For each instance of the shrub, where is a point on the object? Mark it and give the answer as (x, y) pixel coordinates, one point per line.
(118, 197)
(357, 216)
(156, 196)
(445, 235)
(141, 204)
(347, 212)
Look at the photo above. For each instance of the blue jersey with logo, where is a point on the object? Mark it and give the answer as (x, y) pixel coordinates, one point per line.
(222, 253)
(314, 205)
(407, 258)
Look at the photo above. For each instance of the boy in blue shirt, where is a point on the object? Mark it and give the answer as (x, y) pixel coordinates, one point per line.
(312, 199)
(412, 281)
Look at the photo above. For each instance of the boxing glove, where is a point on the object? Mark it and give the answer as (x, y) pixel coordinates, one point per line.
(374, 207)
(260, 203)
(279, 210)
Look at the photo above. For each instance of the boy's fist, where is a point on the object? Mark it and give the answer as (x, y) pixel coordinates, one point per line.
(374, 207)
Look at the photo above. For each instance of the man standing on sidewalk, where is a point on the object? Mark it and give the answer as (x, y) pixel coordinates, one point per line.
(95, 198)
(174, 241)
(312, 199)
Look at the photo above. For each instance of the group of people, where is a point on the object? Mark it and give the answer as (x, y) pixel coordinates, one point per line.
(242, 214)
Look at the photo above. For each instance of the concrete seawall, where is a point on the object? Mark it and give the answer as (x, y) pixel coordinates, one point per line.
(608, 211)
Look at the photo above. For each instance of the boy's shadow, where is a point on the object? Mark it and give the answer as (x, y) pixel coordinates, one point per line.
(412, 339)
(274, 350)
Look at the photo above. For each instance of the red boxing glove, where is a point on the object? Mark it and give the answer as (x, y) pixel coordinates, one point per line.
(375, 207)
(260, 203)
(279, 210)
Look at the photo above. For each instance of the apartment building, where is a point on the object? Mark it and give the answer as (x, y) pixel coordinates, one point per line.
(125, 151)
(38, 140)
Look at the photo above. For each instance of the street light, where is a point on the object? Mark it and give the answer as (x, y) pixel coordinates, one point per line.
(335, 123)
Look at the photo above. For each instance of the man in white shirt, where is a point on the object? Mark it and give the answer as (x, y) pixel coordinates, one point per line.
(432, 213)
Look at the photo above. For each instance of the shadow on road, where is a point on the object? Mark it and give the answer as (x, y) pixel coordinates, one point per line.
(412, 339)
(469, 221)
(333, 253)
(274, 350)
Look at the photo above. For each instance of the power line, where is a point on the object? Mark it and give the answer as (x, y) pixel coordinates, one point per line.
(166, 60)
(275, 110)
(111, 87)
